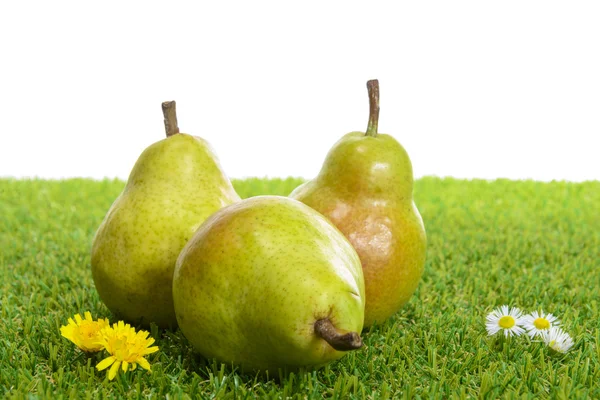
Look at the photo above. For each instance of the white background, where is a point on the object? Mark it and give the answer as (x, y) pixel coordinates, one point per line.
(472, 89)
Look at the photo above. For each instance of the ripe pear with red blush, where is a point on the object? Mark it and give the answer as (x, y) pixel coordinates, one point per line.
(365, 188)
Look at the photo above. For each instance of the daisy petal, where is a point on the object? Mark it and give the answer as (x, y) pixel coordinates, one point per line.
(508, 320)
(537, 323)
(557, 339)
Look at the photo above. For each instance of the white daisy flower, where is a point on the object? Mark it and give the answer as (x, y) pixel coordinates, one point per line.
(557, 339)
(505, 319)
(537, 323)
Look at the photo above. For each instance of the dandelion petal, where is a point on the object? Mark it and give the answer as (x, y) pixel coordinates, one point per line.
(113, 370)
(107, 362)
(143, 363)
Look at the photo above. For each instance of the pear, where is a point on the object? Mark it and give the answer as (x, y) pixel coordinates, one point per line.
(174, 186)
(269, 284)
(365, 188)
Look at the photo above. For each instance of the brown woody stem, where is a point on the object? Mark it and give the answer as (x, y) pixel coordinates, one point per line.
(339, 341)
(373, 88)
(170, 114)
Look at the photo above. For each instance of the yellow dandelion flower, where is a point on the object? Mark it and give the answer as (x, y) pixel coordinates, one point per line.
(126, 348)
(85, 333)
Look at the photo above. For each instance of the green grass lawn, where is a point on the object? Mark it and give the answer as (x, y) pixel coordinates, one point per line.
(528, 244)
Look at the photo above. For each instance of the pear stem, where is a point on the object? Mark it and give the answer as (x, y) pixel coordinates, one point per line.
(373, 88)
(339, 341)
(170, 115)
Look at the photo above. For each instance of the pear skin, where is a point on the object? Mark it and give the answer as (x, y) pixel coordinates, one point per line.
(174, 186)
(268, 284)
(365, 188)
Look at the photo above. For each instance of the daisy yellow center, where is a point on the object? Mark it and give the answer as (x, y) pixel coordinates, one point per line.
(506, 322)
(541, 323)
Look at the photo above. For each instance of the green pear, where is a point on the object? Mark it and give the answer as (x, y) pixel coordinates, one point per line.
(174, 186)
(365, 188)
(268, 284)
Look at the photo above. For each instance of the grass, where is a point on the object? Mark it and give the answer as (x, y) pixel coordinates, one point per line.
(523, 243)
